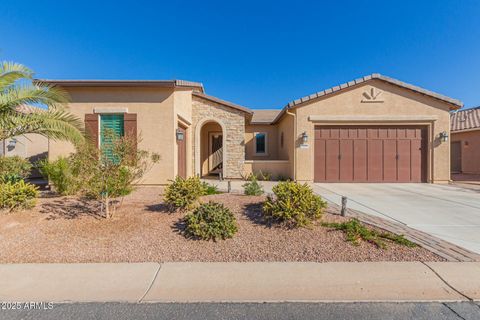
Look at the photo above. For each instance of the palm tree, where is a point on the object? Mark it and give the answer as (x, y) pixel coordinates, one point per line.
(18, 90)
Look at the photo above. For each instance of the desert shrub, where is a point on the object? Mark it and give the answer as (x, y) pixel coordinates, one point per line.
(259, 175)
(63, 174)
(13, 169)
(356, 231)
(264, 176)
(112, 172)
(209, 189)
(183, 193)
(252, 187)
(17, 195)
(211, 221)
(294, 204)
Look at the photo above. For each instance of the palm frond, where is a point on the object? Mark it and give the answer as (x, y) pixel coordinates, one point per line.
(11, 72)
(38, 93)
(54, 124)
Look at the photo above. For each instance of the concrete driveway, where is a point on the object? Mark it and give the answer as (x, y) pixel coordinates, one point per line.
(447, 212)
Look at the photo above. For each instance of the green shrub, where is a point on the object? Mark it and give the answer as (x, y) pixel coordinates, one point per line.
(183, 193)
(209, 189)
(294, 204)
(211, 221)
(62, 174)
(259, 175)
(17, 195)
(13, 169)
(356, 231)
(252, 188)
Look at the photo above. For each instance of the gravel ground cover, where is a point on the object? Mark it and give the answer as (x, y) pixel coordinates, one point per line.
(66, 229)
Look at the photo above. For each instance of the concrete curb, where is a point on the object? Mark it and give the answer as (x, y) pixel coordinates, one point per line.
(242, 282)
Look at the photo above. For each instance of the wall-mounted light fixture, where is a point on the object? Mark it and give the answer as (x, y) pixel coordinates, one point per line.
(444, 136)
(12, 143)
(180, 135)
(304, 138)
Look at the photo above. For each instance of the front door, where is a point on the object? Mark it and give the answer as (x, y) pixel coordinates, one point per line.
(182, 153)
(456, 157)
(215, 159)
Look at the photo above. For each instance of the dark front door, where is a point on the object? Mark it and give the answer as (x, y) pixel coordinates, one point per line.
(182, 153)
(370, 154)
(456, 157)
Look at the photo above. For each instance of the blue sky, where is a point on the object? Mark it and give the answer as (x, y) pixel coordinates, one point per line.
(260, 54)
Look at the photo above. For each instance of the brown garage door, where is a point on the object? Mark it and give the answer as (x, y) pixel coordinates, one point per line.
(370, 154)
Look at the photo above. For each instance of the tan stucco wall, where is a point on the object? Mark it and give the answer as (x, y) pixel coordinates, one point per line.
(276, 168)
(232, 122)
(272, 142)
(397, 102)
(183, 116)
(470, 150)
(286, 126)
(155, 122)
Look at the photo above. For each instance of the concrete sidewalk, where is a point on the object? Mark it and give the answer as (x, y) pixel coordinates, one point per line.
(241, 282)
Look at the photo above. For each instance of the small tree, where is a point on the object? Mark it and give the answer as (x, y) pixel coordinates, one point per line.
(113, 171)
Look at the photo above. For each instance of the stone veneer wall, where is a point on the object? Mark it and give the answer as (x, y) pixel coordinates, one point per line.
(234, 139)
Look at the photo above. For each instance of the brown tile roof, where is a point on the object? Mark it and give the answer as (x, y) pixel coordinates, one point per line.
(223, 102)
(456, 103)
(124, 83)
(263, 116)
(468, 119)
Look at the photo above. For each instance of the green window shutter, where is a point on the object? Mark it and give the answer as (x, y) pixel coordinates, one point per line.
(111, 125)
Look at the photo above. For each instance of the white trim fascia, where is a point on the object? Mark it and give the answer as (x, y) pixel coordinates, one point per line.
(110, 110)
(385, 118)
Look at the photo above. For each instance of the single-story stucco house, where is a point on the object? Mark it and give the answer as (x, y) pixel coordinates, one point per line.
(372, 129)
(465, 129)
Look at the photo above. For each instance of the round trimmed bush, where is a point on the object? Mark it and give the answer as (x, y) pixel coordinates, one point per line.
(294, 204)
(17, 195)
(211, 221)
(183, 193)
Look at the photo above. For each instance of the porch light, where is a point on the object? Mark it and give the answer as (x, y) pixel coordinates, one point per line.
(180, 135)
(304, 137)
(12, 143)
(444, 136)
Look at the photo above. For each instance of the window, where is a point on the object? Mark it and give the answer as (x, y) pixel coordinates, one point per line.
(260, 143)
(111, 126)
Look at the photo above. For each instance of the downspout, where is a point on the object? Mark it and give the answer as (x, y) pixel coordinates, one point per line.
(294, 143)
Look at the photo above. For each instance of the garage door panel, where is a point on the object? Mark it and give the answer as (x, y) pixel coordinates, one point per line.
(389, 160)
(375, 160)
(320, 161)
(417, 165)
(360, 160)
(346, 160)
(404, 168)
(332, 160)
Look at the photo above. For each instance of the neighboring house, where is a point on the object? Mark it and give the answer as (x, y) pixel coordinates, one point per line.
(372, 129)
(465, 128)
(33, 147)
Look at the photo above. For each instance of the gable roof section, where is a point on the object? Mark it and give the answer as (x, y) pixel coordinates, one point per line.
(465, 120)
(264, 116)
(222, 102)
(456, 104)
(125, 83)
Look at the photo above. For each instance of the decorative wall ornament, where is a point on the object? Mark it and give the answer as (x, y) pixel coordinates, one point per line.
(372, 96)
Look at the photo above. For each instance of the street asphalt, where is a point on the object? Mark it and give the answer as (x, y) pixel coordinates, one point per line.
(252, 311)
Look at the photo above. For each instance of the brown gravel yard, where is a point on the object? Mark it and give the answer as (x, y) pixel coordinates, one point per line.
(64, 229)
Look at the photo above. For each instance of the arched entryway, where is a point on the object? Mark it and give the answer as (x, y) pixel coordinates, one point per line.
(210, 153)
